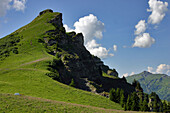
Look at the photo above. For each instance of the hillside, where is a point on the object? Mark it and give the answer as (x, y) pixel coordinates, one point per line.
(158, 83)
(29, 104)
(30, 61)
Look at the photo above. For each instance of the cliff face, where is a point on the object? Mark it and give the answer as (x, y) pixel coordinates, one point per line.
(76, 61)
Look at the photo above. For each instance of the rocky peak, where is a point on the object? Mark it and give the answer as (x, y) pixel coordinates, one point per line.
(45, 11)
(74, 61)
(57, 21)
(146, 73)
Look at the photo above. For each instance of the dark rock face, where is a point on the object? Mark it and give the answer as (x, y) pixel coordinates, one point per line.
(57, 21)
(78, 63)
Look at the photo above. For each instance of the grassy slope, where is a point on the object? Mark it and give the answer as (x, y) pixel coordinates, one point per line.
(25, 72)
(153, 83)
(15, 104)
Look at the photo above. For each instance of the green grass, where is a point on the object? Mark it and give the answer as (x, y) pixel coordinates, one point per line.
(109, 76)
(36, 84)
(17, 104)
(24, 73)
(11, 103)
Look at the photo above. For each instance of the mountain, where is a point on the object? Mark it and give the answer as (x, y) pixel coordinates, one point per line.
(41, 60)
(158, 83)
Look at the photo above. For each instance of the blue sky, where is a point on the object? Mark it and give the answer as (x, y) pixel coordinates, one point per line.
(144, 47)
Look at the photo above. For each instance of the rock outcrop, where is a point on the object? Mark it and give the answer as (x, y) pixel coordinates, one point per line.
(45, 11)
(77, 62)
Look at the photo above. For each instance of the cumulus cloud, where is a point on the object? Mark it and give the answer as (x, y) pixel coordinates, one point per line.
(90, 26)
(163, 68)
(92, 29)
(150, 69)
(157, 9)
(101, 52)
(140, 27)
(4, 6)
(67, 28)
(19, 5)
(126, 75)
(115, 47)
(132, 73)
(144, 41)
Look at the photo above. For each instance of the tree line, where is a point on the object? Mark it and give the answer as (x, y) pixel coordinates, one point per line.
(139, 101)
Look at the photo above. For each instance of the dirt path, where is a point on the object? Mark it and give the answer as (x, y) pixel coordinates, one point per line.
(38, 60)
(73, 104)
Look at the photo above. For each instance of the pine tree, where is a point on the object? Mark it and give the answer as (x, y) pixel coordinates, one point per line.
(135, 102)
(138, 87)
(134, 83)
(145, 106)
(118, 95)
(155, 107)
(125, 107)
(141, 104)
(164, 106)
(168, 106)
(122, 100)
(124, 79)
(112, 94)
(128, 103)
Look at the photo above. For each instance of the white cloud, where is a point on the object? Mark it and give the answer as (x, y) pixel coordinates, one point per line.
(150, 69)
(19, 5)
(90, 26)
(144, 41)
(163, 68)
(140, 27)
(101, 52)
(157, 9)
(4, 6)
(67, 28)
(115, 47)
(92, 44)
(132, 73)
(92, 29)
(97, 50)
(126, 75)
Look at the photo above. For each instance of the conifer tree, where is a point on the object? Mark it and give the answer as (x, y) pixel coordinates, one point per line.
(122, 100)
(164, 106)
(125, 107)
(128, 103)
(168, 106)
(124, 79)
(118, 95)
(145, 106)
(155, 106)
(112, 95)
(135, 102)
(134, 83)
(141, 104)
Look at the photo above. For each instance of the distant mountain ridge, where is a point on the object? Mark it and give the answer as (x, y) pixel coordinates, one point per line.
(158, 83)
